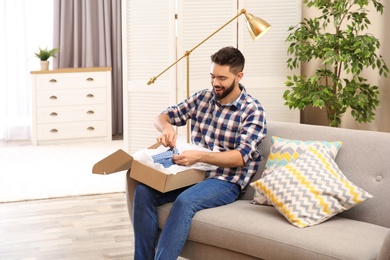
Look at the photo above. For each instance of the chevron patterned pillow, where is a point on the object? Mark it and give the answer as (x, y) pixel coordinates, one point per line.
(311, 189)
(284, 151)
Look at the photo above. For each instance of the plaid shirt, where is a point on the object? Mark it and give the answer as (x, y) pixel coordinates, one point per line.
(240, 126)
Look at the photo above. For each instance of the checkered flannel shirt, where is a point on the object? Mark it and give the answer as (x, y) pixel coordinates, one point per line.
(240, 126)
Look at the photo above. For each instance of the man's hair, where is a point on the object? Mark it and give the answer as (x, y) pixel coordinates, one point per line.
(229, 56)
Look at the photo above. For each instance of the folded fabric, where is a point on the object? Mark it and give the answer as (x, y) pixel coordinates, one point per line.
(165, 158)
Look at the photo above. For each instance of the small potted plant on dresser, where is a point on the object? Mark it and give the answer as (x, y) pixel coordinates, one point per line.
(44, 55)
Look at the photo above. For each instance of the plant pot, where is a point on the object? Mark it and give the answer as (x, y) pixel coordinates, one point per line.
(44, 65)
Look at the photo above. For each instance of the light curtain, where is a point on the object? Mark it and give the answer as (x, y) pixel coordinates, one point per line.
(88, 33)
(25, 25)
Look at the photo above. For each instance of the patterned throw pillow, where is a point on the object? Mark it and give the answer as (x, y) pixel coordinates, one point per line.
(312, 189)
(284, 151)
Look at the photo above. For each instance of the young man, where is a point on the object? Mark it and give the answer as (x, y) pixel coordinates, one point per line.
(226, 118)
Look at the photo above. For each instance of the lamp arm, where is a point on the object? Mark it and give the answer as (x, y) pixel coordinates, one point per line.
(187, 53)
(152, 80)
(223, 26)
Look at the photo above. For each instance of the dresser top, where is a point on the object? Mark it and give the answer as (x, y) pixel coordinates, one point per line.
(67, 70)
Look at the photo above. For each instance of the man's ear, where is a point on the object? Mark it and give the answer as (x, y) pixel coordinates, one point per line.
(240, 75)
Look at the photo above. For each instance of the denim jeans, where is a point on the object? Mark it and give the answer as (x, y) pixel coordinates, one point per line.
(187, 201)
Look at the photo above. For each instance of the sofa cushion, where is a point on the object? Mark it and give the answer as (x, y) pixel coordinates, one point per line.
(284, 151)
(260, 231)
(311, 189)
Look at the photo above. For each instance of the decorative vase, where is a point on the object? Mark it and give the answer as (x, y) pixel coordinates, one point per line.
(44, 65)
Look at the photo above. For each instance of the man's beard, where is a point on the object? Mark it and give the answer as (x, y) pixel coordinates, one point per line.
(225, 92)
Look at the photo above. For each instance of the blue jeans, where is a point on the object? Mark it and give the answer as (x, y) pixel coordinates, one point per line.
(187, 201)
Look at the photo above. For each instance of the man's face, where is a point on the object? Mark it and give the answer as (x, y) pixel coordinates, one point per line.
(222, 81)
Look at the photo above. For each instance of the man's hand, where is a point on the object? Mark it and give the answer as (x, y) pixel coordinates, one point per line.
(188, 158)
(168, 138)
(168, 134)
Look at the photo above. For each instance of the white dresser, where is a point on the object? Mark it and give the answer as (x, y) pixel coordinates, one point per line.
(72, 104)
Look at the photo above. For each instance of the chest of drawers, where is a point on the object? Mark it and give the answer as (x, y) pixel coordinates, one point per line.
(71, 104)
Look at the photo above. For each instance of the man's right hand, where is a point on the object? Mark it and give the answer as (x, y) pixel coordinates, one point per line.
(168, 134)
(168, 138)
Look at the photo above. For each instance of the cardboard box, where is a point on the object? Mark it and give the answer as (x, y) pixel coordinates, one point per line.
(121, 161)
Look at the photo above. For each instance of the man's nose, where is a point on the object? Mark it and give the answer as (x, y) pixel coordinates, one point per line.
(214, 82)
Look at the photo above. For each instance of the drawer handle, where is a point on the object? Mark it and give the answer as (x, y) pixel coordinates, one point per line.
(53, 114)
(90, 79)
(89, 96)
(53, 81)
(53, 97)
(90, 128)
(53, 130)
(90, 112)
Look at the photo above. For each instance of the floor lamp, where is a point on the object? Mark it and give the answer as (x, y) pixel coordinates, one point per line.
(257, 27)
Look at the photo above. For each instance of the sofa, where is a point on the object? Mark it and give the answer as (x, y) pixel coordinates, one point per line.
(244, 230)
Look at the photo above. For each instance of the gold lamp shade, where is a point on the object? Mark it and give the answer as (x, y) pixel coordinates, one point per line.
(257, 27)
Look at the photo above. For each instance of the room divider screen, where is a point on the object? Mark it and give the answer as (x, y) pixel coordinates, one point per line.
(156, 33)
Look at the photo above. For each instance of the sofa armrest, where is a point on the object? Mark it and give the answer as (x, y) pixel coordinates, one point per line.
(130, 187)
(384, 254)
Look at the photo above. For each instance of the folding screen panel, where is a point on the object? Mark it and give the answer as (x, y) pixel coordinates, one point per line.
(266, 59)
(198, 19)
(157, 32)
(149, 46)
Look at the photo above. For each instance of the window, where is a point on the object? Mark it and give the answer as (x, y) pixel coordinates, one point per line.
(24, 26)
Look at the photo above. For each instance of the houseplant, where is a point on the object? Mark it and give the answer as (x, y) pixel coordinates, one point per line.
(44, 55)
(337, 38)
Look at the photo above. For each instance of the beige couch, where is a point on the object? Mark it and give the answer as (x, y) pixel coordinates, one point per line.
(242, 230)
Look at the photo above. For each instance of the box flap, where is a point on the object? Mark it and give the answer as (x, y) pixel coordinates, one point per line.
(116, 162)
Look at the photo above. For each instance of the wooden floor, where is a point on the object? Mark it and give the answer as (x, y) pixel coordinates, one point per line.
(87, 227)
